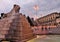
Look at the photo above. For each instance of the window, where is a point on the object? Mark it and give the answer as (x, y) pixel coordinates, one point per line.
(45, 28)
(42, 28)
(49, 28)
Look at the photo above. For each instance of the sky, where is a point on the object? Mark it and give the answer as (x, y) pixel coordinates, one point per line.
(45, 7)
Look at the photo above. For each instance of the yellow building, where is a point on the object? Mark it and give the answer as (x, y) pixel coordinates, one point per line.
(58, 20)
(48, 20)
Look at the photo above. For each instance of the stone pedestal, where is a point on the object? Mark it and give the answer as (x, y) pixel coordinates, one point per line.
(15, 26)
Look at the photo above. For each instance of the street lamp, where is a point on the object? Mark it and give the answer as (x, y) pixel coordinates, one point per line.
(36, 8)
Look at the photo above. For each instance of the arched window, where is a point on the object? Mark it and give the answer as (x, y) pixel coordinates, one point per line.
(45, 28)
(49, 28)
(42, 28)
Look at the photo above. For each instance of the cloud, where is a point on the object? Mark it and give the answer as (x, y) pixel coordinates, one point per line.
(6, 5)
(27, 1)
(45, 6)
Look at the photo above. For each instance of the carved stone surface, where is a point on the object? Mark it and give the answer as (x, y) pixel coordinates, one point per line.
(15, 26)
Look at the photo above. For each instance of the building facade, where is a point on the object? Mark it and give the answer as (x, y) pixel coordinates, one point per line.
(58, 20)
(49, 20)
(48, 24)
